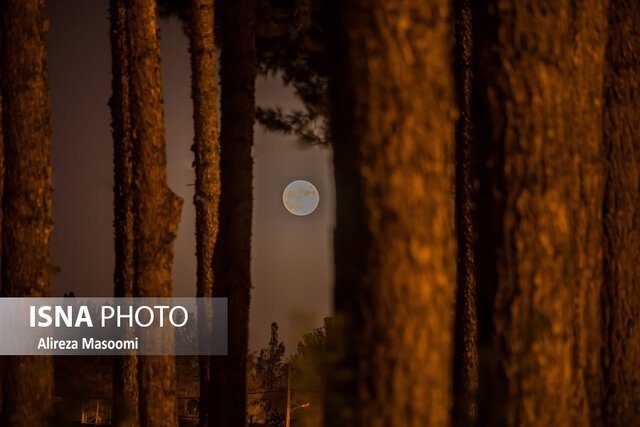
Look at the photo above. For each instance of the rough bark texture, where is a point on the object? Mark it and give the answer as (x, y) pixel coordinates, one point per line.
(588, 31)
(232, 258)
(621, 294)
(156, 207)
(465, 363)
(26, 202)
(393, 120)
(204, 91)
(540, 65)
(125, 368)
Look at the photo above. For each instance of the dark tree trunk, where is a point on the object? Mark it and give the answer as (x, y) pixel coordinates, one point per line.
(232, 258)
(393, 121)
(125, 368)
(204, 91)
(621, 294)
(26, 202)
(1, 190)
(540, 73)
(156, 207)
(465, 363)
(583, 131)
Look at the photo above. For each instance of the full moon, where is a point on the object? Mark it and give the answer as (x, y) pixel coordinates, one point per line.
(300, 197)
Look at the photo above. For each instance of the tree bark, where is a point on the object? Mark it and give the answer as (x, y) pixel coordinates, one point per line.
(393, 122)
(157, 208)
(540, 69)
(26, 202)
(125, 368)
(232, 260)
(621, 293)
(589, 39)
(204, 91)
(465, 363)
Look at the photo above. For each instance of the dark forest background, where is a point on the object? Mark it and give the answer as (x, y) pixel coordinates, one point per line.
(487, 241)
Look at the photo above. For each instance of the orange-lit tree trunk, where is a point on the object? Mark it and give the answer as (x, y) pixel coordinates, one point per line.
(584, 134)
(125, 368)
(156, 208)
(540, 70)
(465, 362)
(204, 91)
(232, 259)
(621, 295)
(393, 121)
(26, 202)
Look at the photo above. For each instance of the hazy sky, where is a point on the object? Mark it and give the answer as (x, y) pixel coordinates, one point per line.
(292, 256)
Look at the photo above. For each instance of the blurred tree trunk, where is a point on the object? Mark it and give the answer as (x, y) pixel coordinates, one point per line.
(465, 363)
(393, 121)
(622, 216)
(539, 111)
(204, 91)
(232, 260)
(26, 203)
(125, 368)
(1, 190)
(156, 207)
(584, 131)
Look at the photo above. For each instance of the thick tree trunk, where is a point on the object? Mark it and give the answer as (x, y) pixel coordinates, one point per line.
(125, 368)
(26, 203)
(540, 67)
(621, 294)
(232, 258)
(465, 363)
(156, 207)
(204, 91)
(393, 120)
(584, 130)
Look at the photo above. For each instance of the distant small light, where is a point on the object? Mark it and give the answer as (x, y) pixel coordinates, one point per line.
(301, 197)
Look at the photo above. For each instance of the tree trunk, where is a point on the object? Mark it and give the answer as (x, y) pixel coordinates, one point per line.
(232, 258)
(204, 91)
(26, 203)
(125, 368)
(465, 362)
(393, 121)
(1, 190)
(156, 208)
(621, 294)
(540, 70)
(584, 130)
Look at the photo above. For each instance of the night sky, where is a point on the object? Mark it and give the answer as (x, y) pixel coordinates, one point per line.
(292, 256)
